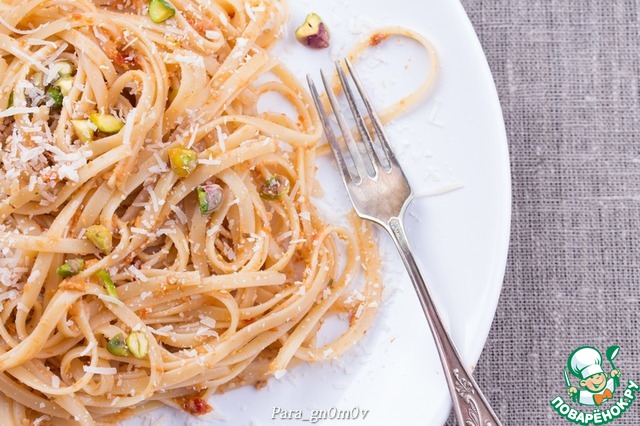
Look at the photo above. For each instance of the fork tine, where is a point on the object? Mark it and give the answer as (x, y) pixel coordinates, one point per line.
(360, 123)
(377, 124)
(328, 131)
(361, 169)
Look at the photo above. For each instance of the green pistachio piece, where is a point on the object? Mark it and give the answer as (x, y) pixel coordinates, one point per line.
(209, 198)
(70, 268)
(105, 277)
(313, 32)
(106, 123)
(183, 160)
(138, 344)
(275, 188)
(56, 94)
(117, 346)
(65, 84)
(101, 237)
(64, 68)
(160, 10)
(83, 130)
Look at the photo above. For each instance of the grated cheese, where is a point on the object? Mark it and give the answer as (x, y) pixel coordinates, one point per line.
(43, 418)
(222, 137)
(38, 42)
(154, 199)
(110, 299)
(305, 215)
(162, 331)
(249, 10)
(128, 127)
(208, 321)
(138, 275)
(193, 60)
(99, 370)
(15, 110)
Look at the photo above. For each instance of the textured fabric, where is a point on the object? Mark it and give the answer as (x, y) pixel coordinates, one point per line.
(567, 76)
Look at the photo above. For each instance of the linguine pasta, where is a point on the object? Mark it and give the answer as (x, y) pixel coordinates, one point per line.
(125, 284)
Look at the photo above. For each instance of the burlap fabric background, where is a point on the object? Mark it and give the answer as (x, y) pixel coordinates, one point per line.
(567, 76)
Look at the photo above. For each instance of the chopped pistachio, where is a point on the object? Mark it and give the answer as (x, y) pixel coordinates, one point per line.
(105, 277)
(101, 237)
(275, 188)
(138, 344)
(160, 10)
(83, 130)
(330, 283)
(117, 346)
(183, 160)
(313, 32)
(209, 198)
(106, 123)
(70, 268)
(64, 84)
(10, 100)
(64, 68)
(56, 95)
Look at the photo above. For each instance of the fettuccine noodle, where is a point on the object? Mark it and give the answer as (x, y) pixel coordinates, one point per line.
(217, 298)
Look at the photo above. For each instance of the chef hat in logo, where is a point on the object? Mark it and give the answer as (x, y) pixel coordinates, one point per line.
(584, 362)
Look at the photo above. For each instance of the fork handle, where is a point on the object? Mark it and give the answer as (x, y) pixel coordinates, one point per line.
(469, 404)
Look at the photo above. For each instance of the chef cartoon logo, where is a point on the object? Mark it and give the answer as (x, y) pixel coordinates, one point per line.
(585, 363)
(591, 386)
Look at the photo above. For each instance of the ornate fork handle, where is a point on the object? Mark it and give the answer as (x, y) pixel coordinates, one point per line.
(469, 404)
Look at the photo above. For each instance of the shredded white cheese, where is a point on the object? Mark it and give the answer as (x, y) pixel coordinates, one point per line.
(162, 331)
(195, 61)
(43, 418)
(18, 110)
(110, 299)
(222, 137)
(138, 274)
(209, 161)
(107, 371)
(128, 127)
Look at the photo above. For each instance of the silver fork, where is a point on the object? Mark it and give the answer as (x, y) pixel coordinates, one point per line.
(381, 193)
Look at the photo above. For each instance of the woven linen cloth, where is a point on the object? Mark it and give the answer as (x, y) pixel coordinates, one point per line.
(567, 77)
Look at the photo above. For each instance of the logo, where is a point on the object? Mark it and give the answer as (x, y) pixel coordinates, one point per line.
(595, 388)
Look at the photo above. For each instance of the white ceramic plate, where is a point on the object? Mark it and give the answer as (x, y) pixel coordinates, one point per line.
(456, 138)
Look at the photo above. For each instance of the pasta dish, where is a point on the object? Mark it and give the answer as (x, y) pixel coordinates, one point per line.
(157, 234)
(105, 182)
